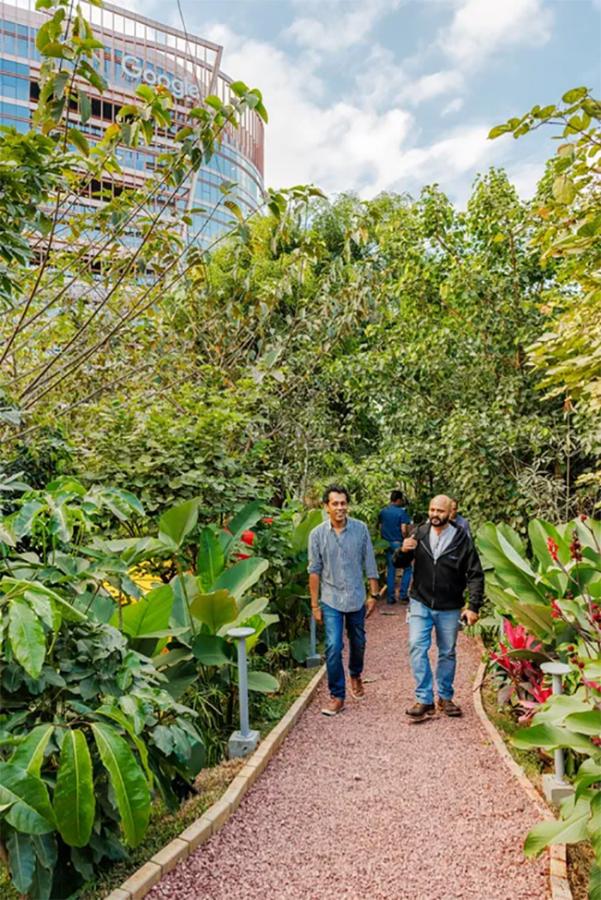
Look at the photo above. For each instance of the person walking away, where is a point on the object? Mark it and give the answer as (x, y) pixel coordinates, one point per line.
(457, 518)
(341, 555)
(393, 521)
(445, 564)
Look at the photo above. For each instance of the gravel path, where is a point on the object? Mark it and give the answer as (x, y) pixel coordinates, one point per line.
(368, 805)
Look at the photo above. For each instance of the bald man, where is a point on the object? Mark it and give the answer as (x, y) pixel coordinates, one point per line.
(445, 565)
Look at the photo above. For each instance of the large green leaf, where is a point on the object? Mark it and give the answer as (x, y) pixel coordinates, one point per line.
(539, 531)
(211, 559)
(116, 715)
(550, 737)
(562, 831)
(559, 706)
(21, 858)
(585, 722)
(300, 535)
(30, 810)
(185, 590)
(245, 518)
(30, 754)
(588, 773)
(20, 586)
(215, 609)
(241, 576)
(177, 523)
(262, 682)
(510, 567)
(254, 608)
(127, 778)
(27, 637)
(74, 800)
(149, 615)
(594, 883)
(211, 650)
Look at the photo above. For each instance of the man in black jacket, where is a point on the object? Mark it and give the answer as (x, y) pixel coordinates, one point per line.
(445, 563)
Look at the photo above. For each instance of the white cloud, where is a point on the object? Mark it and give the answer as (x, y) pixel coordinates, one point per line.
(453, 106)
(338, 26)
(480, 28)
(525, 177)
(433, 85)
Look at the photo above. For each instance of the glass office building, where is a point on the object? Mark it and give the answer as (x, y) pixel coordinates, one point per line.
(136, 51)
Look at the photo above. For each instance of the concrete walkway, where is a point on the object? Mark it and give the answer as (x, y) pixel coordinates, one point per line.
(368, 805)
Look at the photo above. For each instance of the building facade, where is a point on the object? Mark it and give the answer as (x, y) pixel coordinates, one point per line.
(136, 51)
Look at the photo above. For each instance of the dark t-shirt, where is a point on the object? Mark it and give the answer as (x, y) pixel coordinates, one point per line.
(390, 519)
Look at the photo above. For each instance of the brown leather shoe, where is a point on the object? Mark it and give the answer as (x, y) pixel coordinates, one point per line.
(333, 707)
(448, 708)
(357, 689)
(419, 711)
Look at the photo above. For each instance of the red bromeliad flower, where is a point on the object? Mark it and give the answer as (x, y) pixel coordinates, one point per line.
(268, 520)
(553, 548)
(519, 638)
(248, 537)
(242, 555)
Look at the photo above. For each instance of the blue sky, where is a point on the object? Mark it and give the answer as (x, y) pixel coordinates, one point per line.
(381, 95)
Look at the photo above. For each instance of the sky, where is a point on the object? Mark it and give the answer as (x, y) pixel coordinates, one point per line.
(390, 95)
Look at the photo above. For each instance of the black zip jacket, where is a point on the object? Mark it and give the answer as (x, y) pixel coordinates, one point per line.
(442, 584)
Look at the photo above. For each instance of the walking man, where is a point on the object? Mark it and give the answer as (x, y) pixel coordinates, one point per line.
(445, 563)
(457, 518)
(393, 521)
(341, 555)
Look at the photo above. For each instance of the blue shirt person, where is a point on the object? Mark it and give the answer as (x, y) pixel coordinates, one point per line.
(341, 556)
(391, 521)
(458, 519)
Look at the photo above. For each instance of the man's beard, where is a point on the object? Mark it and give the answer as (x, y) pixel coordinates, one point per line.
(437, 521)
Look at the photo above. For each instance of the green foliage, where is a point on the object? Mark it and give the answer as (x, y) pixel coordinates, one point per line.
(566, 217)
(87, 730)
(556, 596)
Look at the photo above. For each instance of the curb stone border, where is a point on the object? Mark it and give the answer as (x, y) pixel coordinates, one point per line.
(199, 832)
(558, 869)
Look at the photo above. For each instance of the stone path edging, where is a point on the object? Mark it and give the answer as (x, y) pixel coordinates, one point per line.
(558, 869)
(199, 832)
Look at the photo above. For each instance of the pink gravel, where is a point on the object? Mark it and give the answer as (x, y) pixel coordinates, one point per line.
(368, 805)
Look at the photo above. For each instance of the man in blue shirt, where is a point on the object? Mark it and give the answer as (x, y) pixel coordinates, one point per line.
(393, 520)
(341, 556)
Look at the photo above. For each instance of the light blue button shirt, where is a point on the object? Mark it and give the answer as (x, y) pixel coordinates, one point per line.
(343, 562)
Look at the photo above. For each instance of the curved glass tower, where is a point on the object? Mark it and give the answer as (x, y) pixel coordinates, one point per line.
(140, 51)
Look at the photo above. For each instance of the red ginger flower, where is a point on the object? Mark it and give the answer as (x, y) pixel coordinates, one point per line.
(576, 548)
(553, 548)
(248, 537)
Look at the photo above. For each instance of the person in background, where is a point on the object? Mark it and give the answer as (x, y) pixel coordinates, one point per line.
(341, 556)
(393, 521)
(457, 518)
(445, 564)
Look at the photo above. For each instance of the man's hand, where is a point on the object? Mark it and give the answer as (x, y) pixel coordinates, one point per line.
(469, 616)
(370, 605)
(409, 544)
(317, 614)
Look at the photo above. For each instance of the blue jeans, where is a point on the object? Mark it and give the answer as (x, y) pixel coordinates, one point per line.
(391, 574)
(334, 622)
(422, 620)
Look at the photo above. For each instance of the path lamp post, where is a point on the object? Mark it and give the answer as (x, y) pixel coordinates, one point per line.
(244, 741)
(555, 786)
(313, 659)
